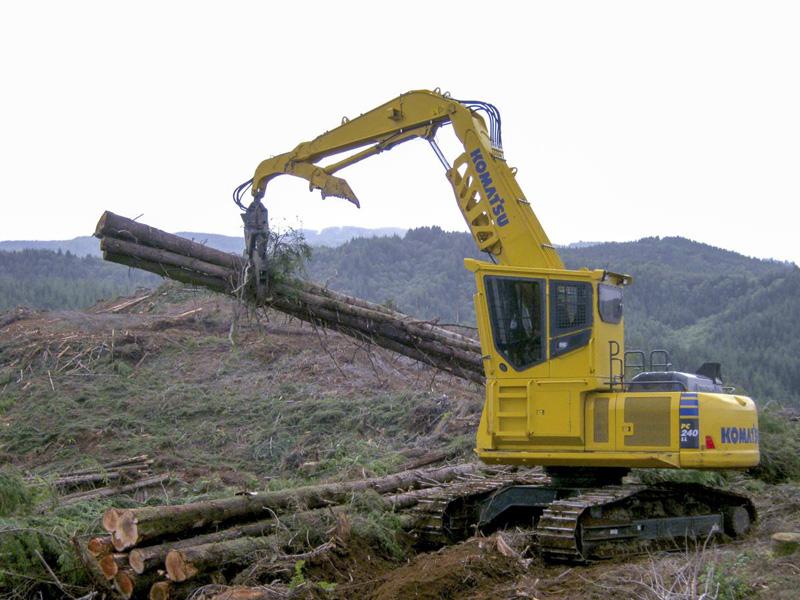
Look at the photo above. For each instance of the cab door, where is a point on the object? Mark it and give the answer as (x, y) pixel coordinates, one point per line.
(511, 311)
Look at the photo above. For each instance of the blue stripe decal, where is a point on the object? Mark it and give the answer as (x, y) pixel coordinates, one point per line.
(689, 395)
(689, 402)
(690, 412)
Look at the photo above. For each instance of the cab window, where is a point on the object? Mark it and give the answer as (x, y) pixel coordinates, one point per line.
(570, 305)
(516, 314)
(570, 316)
(609, 302)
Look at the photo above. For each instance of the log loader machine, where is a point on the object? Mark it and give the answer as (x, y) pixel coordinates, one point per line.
(556, 391)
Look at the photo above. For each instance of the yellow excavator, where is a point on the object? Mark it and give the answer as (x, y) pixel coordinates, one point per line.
(558, 394)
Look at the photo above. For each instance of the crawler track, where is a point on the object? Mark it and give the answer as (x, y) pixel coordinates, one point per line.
(590, 523)
(611, 521)
(452, 514)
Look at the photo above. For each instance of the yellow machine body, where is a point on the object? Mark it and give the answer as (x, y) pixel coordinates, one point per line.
(570, 407)
(552, 339)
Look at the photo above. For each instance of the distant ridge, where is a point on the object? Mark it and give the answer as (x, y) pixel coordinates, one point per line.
(88, 245)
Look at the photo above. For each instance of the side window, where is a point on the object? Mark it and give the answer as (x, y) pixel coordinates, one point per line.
(516, 313)
(609, 302)
(570, 316)
(570, 306)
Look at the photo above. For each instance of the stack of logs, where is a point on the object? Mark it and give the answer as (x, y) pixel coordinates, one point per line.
(169, 551)
(120, 476)
(130, 243)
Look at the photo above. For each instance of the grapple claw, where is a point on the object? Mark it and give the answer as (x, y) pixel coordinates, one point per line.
(256, 238)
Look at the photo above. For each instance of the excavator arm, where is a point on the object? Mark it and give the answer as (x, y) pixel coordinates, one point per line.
(495, 209)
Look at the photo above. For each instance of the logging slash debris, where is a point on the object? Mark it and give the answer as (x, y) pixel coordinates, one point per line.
(168, 551)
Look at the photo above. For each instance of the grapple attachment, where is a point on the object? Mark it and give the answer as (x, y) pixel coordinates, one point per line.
(256, 238)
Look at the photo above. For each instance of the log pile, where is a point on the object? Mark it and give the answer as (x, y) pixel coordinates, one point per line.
(126, 468)
(140, 246)
(170, 551)
(111, 479)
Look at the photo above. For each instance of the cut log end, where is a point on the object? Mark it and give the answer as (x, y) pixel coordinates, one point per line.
(99, 546)
(177, 568)
(109, 566)
(110, 519)
(126, 532)
(124, 584)
(160, 591)
(136, 561)
(101, 225)
(785, 543)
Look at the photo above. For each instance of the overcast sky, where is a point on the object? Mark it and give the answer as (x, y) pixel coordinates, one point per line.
(625, 119)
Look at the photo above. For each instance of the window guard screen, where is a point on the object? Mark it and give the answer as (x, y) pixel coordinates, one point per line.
(570, 306)
(516, 313)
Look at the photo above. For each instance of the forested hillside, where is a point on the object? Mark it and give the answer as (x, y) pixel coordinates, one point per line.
(56, 280)
(700, 302)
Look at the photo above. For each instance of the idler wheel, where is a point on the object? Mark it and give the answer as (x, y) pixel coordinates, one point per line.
(736, 520)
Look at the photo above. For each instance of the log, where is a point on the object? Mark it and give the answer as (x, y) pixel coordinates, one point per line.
(140, 246)
(111, 563)
(152, 557)
(104, 492)
(115, 246)
(384, 332)
(425, 460)
(110, 519)
(77, 480)
(99, 546)
(183, 275)
(387, 335)
(122, 228)
(125, 462)
(186, 563)
(131, 527)
(149, 558)
(271, 592)
(89, 561)
(128, 584)
(169, 590)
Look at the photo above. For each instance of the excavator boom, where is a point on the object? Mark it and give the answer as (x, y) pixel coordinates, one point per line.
(495, 209)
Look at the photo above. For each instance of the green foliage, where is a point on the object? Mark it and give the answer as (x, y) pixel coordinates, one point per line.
(288, 254)
(14, 496)
(26, 542)
(779, 442)
(729, 579)
(56, 280)
(654, 476)
(381, 529)
(700, 302)
(422, 273)
(298, 578)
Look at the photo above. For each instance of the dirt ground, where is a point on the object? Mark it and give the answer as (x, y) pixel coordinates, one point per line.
(270, 401)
